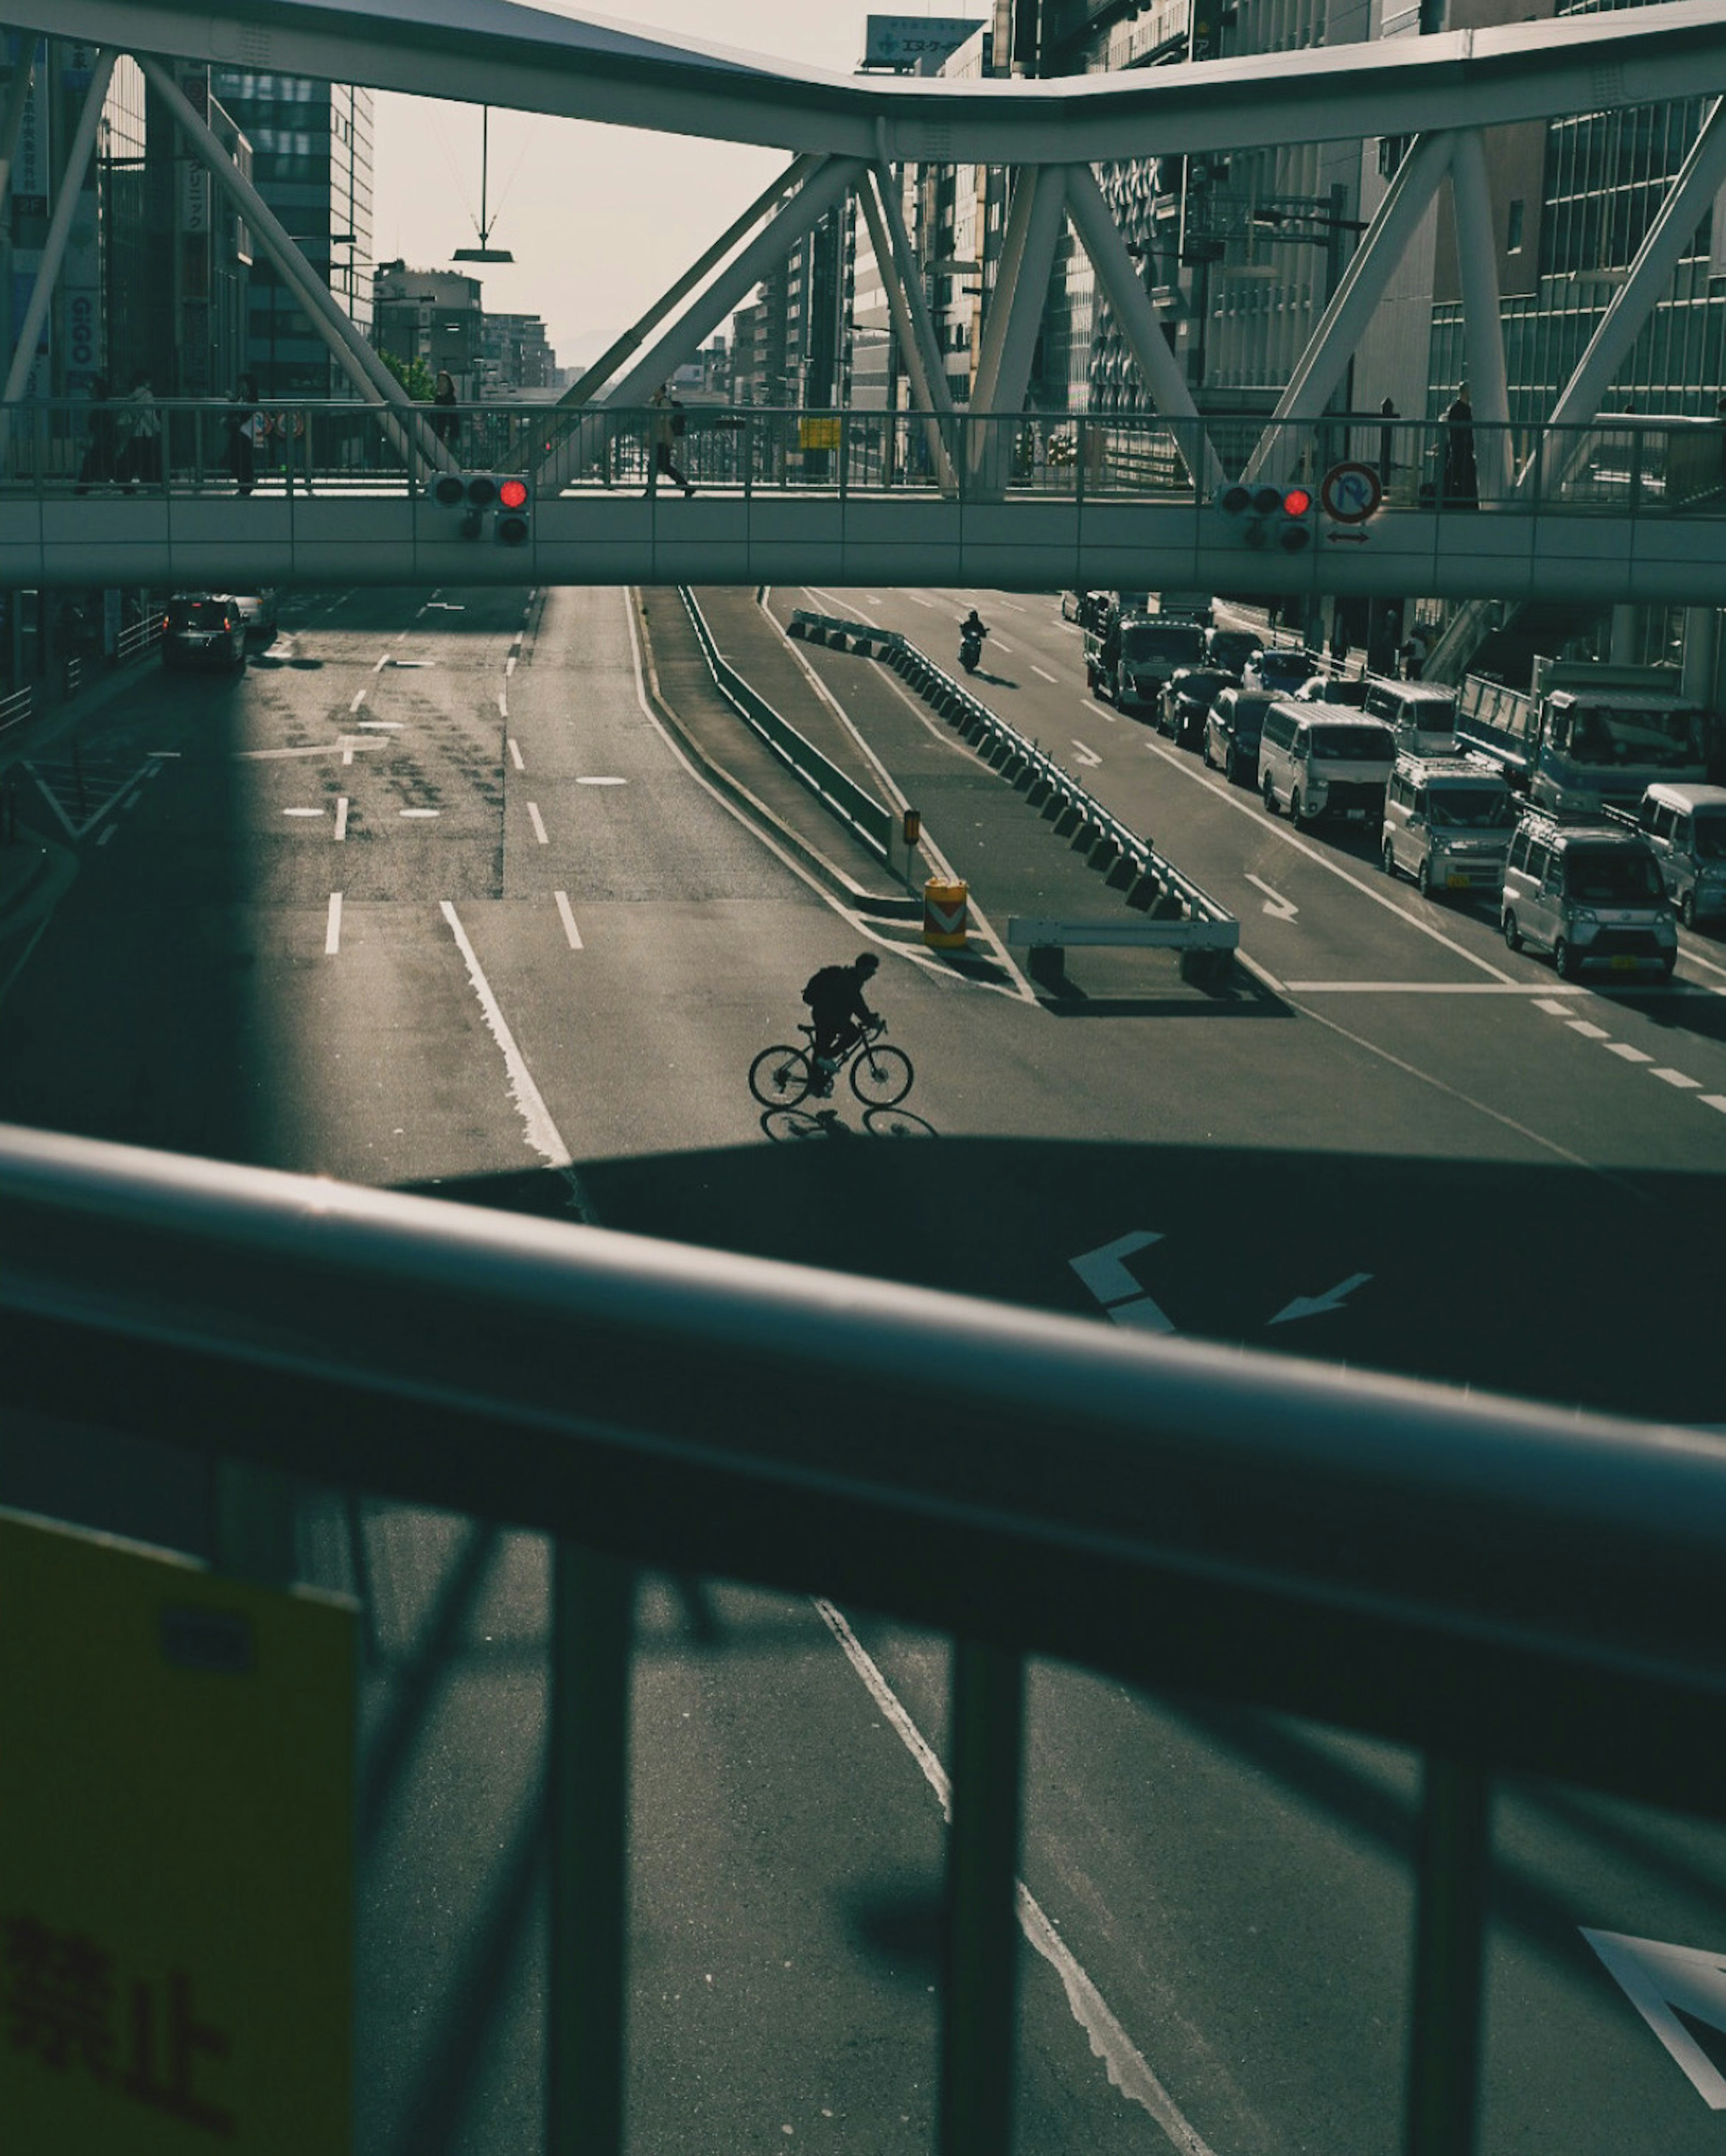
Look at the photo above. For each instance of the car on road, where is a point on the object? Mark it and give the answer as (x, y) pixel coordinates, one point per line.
(203, 629)
(1345, 688)
(1150, 653)
(1187, 697)
(1281, 668)
(1590, 893)
(1231, 649)
(1686, 825)
(1232, 726)
(258, 610)
(1322, 762)
(1448, 821)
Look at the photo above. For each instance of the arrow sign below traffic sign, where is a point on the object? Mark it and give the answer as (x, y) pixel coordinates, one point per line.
(1321, 1306)
(1658, 1978)
(1278, 908)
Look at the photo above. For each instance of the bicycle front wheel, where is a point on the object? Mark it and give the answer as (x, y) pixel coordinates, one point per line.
(880, 1076)
(779, 1077)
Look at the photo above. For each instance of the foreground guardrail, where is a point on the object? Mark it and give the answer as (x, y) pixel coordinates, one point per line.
(1506, 1587)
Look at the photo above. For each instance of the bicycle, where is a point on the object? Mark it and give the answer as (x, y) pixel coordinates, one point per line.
(781, 1076)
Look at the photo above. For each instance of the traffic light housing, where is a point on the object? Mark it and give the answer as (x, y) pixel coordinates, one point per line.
(507, 498)
(1269, 517)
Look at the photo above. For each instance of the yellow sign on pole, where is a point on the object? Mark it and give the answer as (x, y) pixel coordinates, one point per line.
(176, 1855)
(822, 434)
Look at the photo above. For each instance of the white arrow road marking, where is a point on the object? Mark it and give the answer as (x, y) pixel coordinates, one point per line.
(1320, 1305)
(1278, 908)
(1657, 1977)
(1109, 1280)
(1087, 754)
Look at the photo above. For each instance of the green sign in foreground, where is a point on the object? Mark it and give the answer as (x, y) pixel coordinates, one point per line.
(176, 1855)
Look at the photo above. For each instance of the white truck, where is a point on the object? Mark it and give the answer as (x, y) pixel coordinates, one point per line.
(1588, 736)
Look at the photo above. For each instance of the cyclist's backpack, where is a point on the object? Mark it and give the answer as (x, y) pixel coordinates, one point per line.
(829, 984)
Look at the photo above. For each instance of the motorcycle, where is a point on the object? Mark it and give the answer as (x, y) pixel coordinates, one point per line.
(970, 652)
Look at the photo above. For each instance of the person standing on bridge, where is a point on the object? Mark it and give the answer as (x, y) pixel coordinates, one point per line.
(1461, 483)
(244, 424)
(446, 420)
(668, 422)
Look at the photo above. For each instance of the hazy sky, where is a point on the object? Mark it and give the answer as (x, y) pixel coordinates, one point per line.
(600, 219)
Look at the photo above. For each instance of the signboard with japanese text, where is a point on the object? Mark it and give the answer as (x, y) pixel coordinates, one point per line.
(176, 1855)
(906, 42)
(31, 160)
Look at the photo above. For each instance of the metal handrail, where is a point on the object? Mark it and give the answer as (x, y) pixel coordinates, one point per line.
(1473, 1576)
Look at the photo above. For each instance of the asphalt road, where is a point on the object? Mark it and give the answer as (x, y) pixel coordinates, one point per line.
(430, 899)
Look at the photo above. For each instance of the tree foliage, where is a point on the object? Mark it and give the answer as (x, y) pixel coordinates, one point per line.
(414, 375)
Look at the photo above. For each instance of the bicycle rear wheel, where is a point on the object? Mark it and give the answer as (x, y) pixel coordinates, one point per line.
(880, 1076)
(779, 1077)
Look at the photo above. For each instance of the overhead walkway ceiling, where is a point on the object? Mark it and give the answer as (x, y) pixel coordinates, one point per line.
(493, 52)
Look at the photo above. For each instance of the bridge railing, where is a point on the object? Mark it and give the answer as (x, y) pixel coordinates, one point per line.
(1622, 466)
(1506, 1587)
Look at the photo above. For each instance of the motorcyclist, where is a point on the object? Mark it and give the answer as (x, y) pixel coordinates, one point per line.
(973, 627)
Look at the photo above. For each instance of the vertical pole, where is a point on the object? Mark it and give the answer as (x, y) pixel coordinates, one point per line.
(1483, 315)
(980, 1995)
(592, 1612)
(1451, 1860)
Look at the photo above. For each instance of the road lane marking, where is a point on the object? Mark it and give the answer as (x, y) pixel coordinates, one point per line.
(1088, 755)
(340, 816)
(332, 929)
(382, 726)
(422, 812)
(538, 823)
(515, 754)
(379, 667)
(1714, 1100)
(1122, 2061)
(542, 1134)
(302, 812)
(359, 698)
(569, 927)
(1581, 1025)
(1005, 648)
(1043, 676)
(1629, 1054)
(1411, 987)
(1275, 904)
(1679, 1078)
(503, 704)
(602, 782)
(917, 599)
(509, 665)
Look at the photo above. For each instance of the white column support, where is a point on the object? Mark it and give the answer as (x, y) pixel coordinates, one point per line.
(909, 309)
(910, 276)
(825, 188)
(1699, 180)
(59, 227)
(409, 431)
(1325, 361)
(12, 121)
(1010, 328)
(1100, 237)
(1482, 317)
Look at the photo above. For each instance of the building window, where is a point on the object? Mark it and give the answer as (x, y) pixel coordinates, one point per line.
(1514, 230)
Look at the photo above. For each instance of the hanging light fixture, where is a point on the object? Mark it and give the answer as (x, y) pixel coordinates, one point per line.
(484, 252)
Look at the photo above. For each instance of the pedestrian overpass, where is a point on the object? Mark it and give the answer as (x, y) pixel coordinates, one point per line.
(1622, 510)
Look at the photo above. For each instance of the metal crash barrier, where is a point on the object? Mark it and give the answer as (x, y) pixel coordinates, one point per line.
(1506, 1588)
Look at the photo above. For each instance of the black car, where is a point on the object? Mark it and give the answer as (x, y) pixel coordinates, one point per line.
(1186, 699)
(1231, 732)
(203, 629)
(1231, 648)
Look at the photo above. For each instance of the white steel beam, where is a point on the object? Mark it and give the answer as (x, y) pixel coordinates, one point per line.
(1323, 365)
(59, 227)
(1100, 237)
(909, 308)
(12, 121)
(1482, 318)
(357, 360)
(1015, 315)
(492, 52)
(826, 186)
(910, 284)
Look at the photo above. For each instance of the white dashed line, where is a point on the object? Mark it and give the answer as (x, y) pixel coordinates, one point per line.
(340, 816)
(1714, 1100)
(379, 667)
(917, 599)
(602, 782)
(568, 919)
(1554, 1006)
(382, 726)
(422, 812)
(539, 829)
(359, 698)
(509, 665)
(1679, 1078)
(1005, 648)
(302, 812)
(515, 754)
(503, 704)
(1588, 1032)
(1629, 1054)
(1042, 676)
(332, 930)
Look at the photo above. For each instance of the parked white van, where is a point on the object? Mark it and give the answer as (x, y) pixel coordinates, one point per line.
(1422, 715)
(1448, 824)
(1590, 893)
(1324, 760)
(1686, 825)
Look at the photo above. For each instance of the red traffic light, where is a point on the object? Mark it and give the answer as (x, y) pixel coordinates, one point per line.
(512, 494)
(1297, 501)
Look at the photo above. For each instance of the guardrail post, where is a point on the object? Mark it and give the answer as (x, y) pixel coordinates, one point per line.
(1452, 1863)
(979, 1996)
(587, 1779)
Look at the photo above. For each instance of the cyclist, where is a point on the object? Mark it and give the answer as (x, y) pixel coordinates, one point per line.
(835, 996)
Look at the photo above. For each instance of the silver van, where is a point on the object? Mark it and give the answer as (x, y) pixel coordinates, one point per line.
(1422, 715)
(1324, 760)
(1590, 893)
(1686, 825)
(1448, 824)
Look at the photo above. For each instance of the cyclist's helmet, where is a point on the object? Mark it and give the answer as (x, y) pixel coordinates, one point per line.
(867, 962)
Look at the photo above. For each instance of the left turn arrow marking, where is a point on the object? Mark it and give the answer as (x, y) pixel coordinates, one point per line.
(1657, 1978)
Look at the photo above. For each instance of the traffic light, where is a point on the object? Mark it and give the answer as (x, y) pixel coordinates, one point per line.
(515, 507)
(1269, 516)
(507, 498)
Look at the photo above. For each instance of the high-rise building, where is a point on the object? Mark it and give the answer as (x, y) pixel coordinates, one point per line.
(434, 316)
(311, 161)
